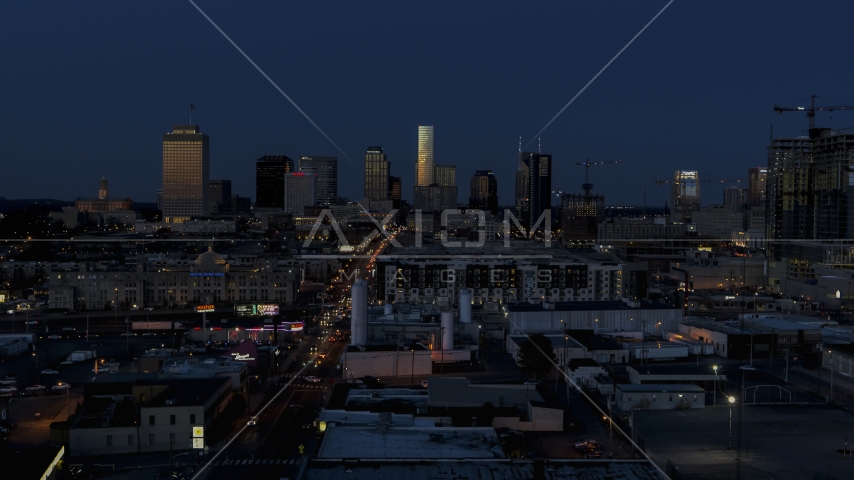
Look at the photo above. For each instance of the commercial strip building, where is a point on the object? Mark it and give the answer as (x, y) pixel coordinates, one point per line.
(601, 317)
(762, 335)
(143, 416)
(154, 281)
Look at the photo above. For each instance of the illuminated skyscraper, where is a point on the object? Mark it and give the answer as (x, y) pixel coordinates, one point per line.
(684, 195)
(484, 191)
(270, 173)
(424, 165)
(186, 174)
(376, 174)
(445, 175)
(326, 170)
(757, 179)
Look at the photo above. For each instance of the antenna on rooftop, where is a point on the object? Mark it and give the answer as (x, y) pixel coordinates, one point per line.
(539, 145)
(192, 106)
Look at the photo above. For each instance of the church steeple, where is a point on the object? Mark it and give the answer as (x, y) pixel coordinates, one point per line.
(104, 191)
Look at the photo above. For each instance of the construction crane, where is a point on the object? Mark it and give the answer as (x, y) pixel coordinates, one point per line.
(812, 109)
(587, 186)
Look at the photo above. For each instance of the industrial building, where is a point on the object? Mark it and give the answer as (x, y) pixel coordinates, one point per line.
(611, 316)
(659, 397)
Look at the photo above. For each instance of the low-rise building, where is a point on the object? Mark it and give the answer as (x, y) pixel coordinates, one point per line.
(565, 347)
(659, 397)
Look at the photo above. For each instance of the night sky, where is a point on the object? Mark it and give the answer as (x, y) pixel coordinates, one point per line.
(91, 86)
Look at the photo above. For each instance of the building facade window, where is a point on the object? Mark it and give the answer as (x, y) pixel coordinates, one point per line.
(171, 419)
(151, 419)
(109, 440)
(193, 417)
(130, 440)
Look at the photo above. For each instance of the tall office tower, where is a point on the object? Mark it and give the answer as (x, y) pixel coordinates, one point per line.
(394, 189)
(484, 191)
(535, 198)
(735, 198)
(810, 187)
(104, 190)
(434, 198)
(300, 191)
(522, 188)
(326, 170)
(445, 175)
(186, 173)
(270, 173)
(376, 174)
(424, 164)
(219, 194)
(757, 179)
(684, 195)
(159, 196)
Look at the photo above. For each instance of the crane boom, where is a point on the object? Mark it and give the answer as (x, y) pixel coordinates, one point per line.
(587, 186)
(812, 109)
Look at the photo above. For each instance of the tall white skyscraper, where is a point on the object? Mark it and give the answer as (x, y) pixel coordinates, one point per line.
(425, 164)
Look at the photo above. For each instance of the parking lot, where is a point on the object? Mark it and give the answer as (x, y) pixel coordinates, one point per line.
(785, 442)
(33, 414)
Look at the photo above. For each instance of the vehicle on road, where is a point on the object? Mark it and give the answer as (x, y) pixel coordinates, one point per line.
(25, 394)
(131, 334)
(313, 348)
(424, 383)
(8, 381)
(36, 388)
(253, 421)
(50, 371)
(149, 334)
(312, 379)
(8, 389)
(588, 446)
(54, 337)
(596, 454)
(134, 308)
(60, 387)
(332, 339)
(321, 355)
(148, 309)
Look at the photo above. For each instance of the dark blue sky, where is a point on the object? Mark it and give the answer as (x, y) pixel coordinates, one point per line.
(89, 86)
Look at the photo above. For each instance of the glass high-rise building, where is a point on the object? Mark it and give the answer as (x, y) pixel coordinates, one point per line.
(270, 173)
(484, 191)
(394, 189)
(326, 170)
(300, 191)
(757, 180)
(376, 174)
(684, 195)
(219, 194)
(539, 187)
(424, 165)
(445, 175)
(186, 174)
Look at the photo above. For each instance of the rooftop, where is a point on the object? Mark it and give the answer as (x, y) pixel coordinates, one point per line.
(410, 442)
(363, 397)
(482, 469)
(460, 392)
(586, 306)
(659, 387)
(558, 341)
(191, 391)
(107, 411)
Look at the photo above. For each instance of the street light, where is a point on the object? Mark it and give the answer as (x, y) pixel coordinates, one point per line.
(715, 368)
(731, 401)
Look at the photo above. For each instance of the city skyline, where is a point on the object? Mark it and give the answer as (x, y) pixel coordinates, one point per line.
(477, 133)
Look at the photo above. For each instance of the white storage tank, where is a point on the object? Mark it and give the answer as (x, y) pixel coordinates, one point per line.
(359, 315)
(447, 330)
(465, 306)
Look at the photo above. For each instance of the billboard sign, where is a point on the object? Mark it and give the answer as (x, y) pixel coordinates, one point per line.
(204, 308)
(256, 309)
(246, 352)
